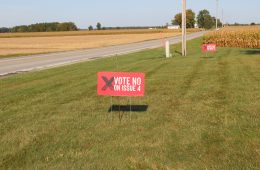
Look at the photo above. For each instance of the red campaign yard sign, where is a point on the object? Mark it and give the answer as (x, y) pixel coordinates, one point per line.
(120, 84)
(209, 48)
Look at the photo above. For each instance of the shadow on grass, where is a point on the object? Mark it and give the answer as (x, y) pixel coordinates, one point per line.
(178, 52)
(251, 52)
(154, 58)
(208, 57)
(128, 108)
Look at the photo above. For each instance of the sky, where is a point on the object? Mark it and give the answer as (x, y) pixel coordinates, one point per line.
(119, 12)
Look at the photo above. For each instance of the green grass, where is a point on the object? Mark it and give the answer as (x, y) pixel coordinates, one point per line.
(203, 114)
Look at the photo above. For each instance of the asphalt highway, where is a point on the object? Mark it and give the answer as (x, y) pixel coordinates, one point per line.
(45, 61)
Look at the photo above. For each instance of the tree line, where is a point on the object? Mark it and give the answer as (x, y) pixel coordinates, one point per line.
(42, 27)
(203, 19)
(100, 27)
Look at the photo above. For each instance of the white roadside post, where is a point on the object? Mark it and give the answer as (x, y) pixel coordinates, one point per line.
(167, 49)
(184, 44)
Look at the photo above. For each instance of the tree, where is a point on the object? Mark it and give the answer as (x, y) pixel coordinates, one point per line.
(174, 22)
(4, 29)
(99, 26)
(205, 20)
(90, 28)
(252, 23)
(190, 19)
(177, 19)
(22, 28)
(219, 22)
(46, 27)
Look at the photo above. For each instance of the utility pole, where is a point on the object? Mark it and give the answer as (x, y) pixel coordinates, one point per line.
(216, 14)
(222, 18)
(184, 43)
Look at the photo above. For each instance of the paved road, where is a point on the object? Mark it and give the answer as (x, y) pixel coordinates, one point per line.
(44, 61)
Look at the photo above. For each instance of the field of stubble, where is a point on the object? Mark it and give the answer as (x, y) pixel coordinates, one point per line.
(15, 44)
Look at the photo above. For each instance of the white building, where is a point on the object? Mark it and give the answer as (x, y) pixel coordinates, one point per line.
(173, 27)
(196, 25)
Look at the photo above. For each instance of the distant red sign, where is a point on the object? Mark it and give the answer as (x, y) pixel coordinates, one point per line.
(209, 48)
(120, 84)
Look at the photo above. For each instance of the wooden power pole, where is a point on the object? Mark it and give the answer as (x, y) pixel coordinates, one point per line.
(184, 33)
(216, 14)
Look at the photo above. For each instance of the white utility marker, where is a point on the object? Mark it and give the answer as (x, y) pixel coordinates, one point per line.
(167, 49)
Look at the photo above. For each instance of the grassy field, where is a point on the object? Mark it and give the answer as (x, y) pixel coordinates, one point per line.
(203, 114)
(15, 44)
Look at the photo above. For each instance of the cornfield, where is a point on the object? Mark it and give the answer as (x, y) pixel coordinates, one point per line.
(241, 37)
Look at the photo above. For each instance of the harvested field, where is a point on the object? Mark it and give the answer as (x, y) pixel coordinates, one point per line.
(33, 43)
(241, 36)
(100, 32)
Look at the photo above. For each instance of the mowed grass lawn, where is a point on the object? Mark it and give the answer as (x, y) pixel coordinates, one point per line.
(203, 114)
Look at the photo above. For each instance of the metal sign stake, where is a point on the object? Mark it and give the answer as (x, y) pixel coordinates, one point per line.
(111, 112)
(130, 108)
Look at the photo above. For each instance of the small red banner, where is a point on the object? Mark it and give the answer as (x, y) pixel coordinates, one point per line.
(120, 84)
(209, 48)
